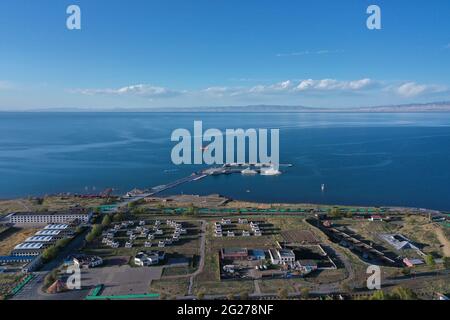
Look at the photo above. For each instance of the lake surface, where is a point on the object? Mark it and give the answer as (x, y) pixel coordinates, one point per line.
(363, 159)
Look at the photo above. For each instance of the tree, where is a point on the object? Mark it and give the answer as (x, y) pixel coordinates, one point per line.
(429, 260)
(79, 230)
(283, 294)
(49, 253)
(90, 237)
(118, 217)
(106, 220)
(61, 243)
(304, 293)
(97, 230)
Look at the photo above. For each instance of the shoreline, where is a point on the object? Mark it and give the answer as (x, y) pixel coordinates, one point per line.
(237, 203)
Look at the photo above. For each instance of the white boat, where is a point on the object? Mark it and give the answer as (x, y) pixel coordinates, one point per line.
(322, 187)
(271, 171)
(248, 171)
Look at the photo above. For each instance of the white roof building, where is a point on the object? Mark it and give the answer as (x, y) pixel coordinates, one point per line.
(28, 246)
(28, 249)
(56, 227)
(46, 239)
(53, 233)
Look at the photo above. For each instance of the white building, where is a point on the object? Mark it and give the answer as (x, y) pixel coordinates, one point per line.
(282, 256)
(148, 258)
(56, 234)
(28, 249)
(87, 261)
(43, 239)
(24, 218)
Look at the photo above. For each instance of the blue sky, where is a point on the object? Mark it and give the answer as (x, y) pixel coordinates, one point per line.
(167, 53)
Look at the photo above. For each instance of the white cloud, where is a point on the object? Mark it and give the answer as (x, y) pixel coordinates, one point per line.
(412, 89)
(308, 52)
(290, 87)
(142, 90)
(334, 85)
(284, 88)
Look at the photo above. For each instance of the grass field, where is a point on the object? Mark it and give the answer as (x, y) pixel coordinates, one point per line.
(177, 271)
(7, 282)
(51, 203)
(417, 228)
(209, 279)
(223, 287)
(188, 246)
(170, 288)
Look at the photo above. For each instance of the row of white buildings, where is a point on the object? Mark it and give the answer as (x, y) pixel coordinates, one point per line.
(38, 218)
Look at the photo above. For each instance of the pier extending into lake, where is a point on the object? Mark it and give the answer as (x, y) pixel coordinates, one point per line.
(228, 168)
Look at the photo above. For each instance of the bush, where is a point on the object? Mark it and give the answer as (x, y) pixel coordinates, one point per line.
(200, 295)
(400, 293)
(429, 260)
(244, 295)
(447, 262)
(378, 295)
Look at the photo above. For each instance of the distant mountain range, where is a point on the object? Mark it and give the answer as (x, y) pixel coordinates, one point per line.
(403, 108)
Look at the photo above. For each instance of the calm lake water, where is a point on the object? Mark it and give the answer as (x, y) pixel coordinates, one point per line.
(363, 159)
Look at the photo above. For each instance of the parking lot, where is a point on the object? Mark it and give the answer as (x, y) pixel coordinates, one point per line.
(121, 280)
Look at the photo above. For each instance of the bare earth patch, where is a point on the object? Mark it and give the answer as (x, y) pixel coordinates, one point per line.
(13, 237)
(443, 239)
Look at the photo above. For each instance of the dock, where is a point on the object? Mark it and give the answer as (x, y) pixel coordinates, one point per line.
(228, 168)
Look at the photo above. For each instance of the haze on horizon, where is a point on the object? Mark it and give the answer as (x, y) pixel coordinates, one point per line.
(174, 53)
